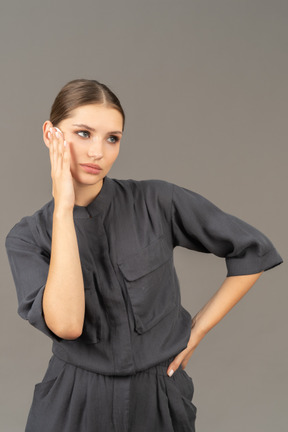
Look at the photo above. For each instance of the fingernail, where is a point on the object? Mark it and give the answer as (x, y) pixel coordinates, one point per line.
(171, 372)
(57, 129)
(49, 135)
(57, 134)
(65, 144)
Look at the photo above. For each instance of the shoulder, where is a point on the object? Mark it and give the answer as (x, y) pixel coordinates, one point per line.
(161, 192)
(157, 187)
(149, 187)
(29, 227)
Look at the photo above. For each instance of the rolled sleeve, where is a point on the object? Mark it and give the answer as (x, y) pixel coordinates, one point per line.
(200, 225)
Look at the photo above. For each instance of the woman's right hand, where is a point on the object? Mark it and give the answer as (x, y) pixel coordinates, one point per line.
(62, 180)
(64, 294)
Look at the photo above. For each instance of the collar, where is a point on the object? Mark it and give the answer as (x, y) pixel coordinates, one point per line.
(99, 203)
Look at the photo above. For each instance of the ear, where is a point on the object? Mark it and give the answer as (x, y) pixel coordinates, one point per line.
(46, 128)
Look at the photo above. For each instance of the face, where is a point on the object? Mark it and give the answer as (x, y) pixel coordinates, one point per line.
(94, 133)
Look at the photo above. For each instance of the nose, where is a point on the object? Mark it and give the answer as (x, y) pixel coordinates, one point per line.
(95, 149)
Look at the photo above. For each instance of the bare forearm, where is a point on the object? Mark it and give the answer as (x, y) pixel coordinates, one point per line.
(63, 299)
(231, 291)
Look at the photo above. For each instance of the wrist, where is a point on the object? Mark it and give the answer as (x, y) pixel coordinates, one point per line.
(197, 332)
(62, 212)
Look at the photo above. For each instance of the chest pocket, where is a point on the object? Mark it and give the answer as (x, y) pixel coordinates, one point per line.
(149, 278)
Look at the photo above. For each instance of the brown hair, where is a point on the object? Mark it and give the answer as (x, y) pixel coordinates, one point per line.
(82, 92)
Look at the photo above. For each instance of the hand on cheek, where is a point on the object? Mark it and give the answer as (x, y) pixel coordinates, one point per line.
(62, 182)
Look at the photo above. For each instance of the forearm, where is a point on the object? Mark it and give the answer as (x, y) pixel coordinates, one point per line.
(230, 292)
(63, 299)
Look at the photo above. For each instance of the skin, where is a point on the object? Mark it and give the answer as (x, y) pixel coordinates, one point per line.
(64, 299)
(97, 147)
(230, 292)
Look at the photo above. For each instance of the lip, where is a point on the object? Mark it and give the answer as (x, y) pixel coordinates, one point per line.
(91, 168)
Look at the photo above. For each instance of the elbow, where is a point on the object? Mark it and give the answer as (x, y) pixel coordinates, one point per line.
(69, 331)
(64, 325)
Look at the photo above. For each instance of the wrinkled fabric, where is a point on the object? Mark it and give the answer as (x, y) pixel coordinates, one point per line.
(126, 236)
(71, 399)
(114, 376)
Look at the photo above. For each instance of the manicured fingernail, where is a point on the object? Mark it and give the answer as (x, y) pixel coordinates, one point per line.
(49, 135)
(171, 372)
(51, 130)
(57, 134)
(57, 129)
(65, 144)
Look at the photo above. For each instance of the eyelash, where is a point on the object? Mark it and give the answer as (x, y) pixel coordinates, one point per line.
(116, 138)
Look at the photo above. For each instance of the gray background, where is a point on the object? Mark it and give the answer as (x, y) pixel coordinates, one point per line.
(204, 87)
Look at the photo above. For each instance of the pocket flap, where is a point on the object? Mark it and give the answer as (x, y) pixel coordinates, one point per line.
(146, 260)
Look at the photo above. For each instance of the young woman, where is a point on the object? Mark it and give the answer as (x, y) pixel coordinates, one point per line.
(93, 269)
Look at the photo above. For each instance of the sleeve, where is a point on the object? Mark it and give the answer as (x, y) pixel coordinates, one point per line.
(29, 265)
(199, 225)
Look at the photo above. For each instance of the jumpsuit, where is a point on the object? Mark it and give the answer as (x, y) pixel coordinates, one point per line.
(114, 376)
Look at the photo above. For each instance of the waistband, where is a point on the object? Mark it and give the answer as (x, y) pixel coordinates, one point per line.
(159, 368)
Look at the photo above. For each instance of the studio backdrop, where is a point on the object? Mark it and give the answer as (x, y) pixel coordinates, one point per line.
(204, 88)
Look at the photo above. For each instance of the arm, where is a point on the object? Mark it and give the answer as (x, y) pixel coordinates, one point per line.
(200, 225)
(63, 298)
(228, 295)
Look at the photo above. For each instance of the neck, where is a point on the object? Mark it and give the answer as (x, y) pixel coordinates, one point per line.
(84, 194)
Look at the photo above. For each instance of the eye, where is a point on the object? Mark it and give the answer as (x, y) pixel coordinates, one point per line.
(83, 134)
(114, 139)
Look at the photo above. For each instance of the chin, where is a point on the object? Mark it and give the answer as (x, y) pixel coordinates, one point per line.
(89, 179)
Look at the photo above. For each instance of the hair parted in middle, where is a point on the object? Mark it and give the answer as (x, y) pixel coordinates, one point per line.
(80, 92)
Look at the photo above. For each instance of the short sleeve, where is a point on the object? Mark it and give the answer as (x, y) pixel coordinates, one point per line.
(29, 266)
(200, 225)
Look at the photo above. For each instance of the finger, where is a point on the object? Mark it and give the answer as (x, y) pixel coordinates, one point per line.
(174, 365)
(66, 156)
(50, 149)
(60, 147)
(55, 151)
(187, 357)
(59, 132)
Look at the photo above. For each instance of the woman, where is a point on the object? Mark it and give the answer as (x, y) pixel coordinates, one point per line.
(93, 269)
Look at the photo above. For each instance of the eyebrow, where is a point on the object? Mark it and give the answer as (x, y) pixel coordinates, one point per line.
(93, 130)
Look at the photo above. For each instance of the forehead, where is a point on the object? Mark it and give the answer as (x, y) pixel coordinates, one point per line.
(96, 115)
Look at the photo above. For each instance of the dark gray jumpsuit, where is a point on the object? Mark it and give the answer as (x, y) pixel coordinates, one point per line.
(113, 377)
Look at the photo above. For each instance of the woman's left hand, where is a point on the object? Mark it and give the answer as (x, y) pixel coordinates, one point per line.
(230, 292)
(181, 360)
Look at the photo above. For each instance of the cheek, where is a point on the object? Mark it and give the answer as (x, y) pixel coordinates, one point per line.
(113, 153)
(74, 152)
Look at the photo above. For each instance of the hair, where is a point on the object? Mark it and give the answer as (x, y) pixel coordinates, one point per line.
(82, 92)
